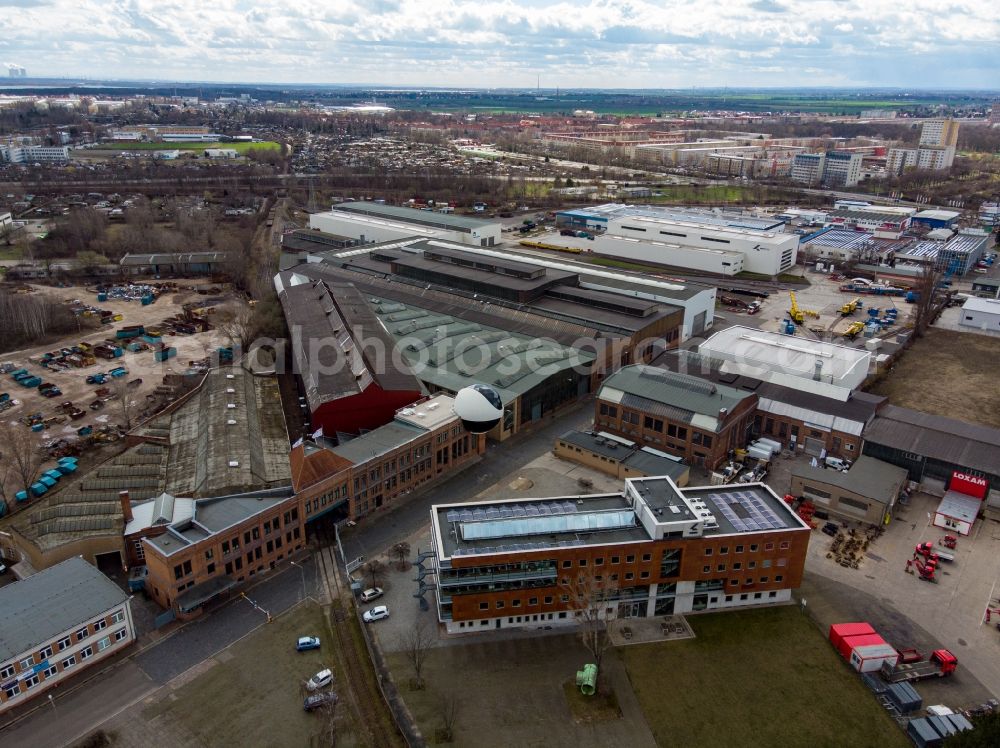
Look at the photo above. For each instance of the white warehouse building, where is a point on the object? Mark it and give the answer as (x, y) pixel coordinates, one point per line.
(374, 222)
(814, 366)
(702, 240)
(981, 314)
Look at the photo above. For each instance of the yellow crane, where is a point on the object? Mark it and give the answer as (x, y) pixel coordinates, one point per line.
(794, 312)
(850, 307)
(853, 329)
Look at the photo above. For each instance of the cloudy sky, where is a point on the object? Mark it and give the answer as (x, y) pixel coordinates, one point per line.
(485, 43)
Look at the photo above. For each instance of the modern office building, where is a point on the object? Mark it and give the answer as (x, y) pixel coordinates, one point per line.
(55, 624)
(680, 414)
(374, 222)
(29, 154)
(651, 549)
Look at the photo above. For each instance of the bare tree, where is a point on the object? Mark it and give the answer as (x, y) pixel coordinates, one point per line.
(375, 571)
(417, 642)
(593, 600)
(926, 288)
(241, 326)
(401, 552)
(448, 708)
(327, 737)
(124, 401)
(22, 452)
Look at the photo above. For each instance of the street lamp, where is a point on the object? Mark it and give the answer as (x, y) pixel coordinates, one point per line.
(302, 571)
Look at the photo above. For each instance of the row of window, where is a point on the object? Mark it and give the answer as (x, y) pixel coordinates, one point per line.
(13, 689)
(27, 663)
(599, 561)
(784, 545)
(518, 619)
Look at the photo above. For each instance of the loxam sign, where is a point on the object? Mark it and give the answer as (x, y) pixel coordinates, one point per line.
(970, 485)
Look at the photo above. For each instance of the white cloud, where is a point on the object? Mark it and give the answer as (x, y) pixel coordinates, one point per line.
(507, 43)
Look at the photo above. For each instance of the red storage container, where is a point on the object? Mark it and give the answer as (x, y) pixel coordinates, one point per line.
(841, 631)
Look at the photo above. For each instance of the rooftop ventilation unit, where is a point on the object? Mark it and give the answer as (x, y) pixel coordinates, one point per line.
(231, 406)
(234, 463)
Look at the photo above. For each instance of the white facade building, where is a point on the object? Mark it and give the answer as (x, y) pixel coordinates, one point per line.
(373, 222)
(842, 168)
(807, 168)
(29, 154)
(981, 314)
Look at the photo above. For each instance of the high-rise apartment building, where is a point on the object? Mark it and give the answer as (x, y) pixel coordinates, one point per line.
(939, 132)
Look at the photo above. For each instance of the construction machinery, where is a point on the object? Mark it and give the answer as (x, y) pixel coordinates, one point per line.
(949, 541)
(940, 664)
(850, 307)
(930, 552)
(925, 569)
(854, 329)
(794, 312)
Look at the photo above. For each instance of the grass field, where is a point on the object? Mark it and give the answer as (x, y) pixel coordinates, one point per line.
(257, 690)
(950, 374)
(241, 147)
(757, 678)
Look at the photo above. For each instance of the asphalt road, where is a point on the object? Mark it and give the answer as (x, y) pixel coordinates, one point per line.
(378, 533)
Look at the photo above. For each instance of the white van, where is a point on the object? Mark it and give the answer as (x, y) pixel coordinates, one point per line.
(837, 464)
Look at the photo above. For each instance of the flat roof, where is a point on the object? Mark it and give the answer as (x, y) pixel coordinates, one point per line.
(792, 355)
(840, 238)
(35, 610)
(867, 477)
(938, 215)
(867, 214)
(179, 258)
(744, 509)
(704, 217)
(966, 243)
(959, 506)
(614, 447)
(378, 441)
(986, 306)
(448, 221)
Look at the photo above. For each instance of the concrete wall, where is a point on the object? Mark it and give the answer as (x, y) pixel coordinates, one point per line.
(979, 320)
(662, 253)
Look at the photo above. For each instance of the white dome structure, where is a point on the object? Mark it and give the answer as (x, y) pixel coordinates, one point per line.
(480, 408)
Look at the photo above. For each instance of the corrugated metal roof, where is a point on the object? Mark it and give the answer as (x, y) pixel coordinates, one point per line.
(944, 439)
(867, 477)
(681, 391)
(448, 221)
(37, 609)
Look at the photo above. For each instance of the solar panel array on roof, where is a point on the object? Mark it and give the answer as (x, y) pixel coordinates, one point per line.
(510, 511)
(754, 514)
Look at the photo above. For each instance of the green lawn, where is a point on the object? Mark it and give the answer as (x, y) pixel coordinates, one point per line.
(756, 678)
(255, 689)
(240, 147)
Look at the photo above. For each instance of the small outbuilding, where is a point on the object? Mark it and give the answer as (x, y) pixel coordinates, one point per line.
(867, 492)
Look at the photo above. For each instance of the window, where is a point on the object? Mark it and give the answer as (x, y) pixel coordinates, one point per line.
(749, 581)
(756, 595)
(30, 682)
(734, 582)
(583, 562)
(768, 546)
(50, 672)
(708, 551)
(772, 594)
(763, 580)
(86, 653)
(766, 563)
(8, 670)
(567, 563)
(118, 617)
(45, 653)
(724, 550)
(779, 578)
(720, 567)
(643, 575)
(69, 662)
(500, 604)
(210, 569)
(739, 549)
(751, 564)
(12, 690)
(484, 606)
(120, 634)
(208, 554)
(616, 559)
(515, 604)
(104, 644)
(630, 559)
(737, 566)
(27, 663)
(599, 561)
(99, 625)
(647, 557)
(753, 548)
(81, 634)
(706, 569)
(784, 545)
(629, 576)
(564, 598)
(548, 599)
(532, 601)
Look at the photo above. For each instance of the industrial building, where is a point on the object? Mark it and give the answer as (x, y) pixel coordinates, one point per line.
(214, 545)
(55, 624)
(867, 492)
(224, 436)
(652, 549)
(815, 366)
(790, 412)
(374, 222)
(981, 314)
(934, 449)
(937, 219)
(619, 458)
(342, 356)
(683, 415)
(959, 255)
(882, 224)
(692, 239)
(181, 263)
(29, 154)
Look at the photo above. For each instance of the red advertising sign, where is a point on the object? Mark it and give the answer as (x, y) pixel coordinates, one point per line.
(970, 485)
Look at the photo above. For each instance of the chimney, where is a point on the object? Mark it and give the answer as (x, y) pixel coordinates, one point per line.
(818, 371)
(723, 412)
(126, 505)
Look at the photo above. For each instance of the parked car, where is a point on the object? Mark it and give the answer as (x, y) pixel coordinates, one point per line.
(372, 594)
(837, 464)
(316, 700)
(305, 643)
(376, 614)
(322, 679)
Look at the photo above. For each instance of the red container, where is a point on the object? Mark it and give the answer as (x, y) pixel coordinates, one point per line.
(841, 631)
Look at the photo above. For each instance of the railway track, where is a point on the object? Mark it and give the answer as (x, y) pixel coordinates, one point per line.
(374, 727)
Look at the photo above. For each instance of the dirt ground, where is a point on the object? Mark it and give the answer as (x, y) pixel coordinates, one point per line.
(140, 365)
(950, 374)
